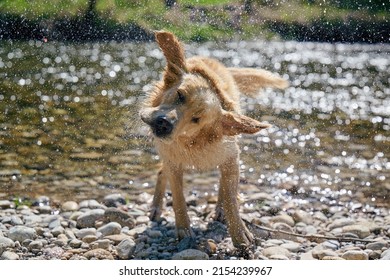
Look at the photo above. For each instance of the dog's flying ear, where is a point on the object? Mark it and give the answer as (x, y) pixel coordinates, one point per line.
(234, 124)
(174, 54)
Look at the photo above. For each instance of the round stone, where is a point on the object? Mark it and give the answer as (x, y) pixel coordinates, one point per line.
(99, 254)
(21, 233)
(355, 255)
(276, 250)
(110, 229)
(70, 206)
(114, 200)
(89, 218)
(7, 255)
(190, 254)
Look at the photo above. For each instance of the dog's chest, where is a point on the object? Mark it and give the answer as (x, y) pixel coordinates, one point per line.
(202, 157)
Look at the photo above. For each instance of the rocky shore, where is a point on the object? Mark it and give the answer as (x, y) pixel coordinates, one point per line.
(117, 229)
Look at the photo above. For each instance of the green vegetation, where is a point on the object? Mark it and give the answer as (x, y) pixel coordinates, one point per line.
(199, 20)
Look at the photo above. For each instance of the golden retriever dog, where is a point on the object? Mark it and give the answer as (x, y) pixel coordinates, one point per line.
(195, 118)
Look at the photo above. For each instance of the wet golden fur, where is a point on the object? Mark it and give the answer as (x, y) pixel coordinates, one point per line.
(195, 115)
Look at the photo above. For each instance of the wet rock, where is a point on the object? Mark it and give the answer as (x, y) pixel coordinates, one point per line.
(35, 245)
(121, 217)
(355, 255)
(91, 204)
(114, 200)
(190, 254)
(125, 248)
(85, 231)
(276, 250)
(21, 233)
(99, 254)
(385, 255)
(70, 206)
(89, 218)
(302, 216)
(378, 245)
(110, 229)
(5, 204)
(286, 219)
(360, 230)
(339, 223)
(11, 256)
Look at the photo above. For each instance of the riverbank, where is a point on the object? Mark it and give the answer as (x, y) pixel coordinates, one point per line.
(116, 229)
(219, 21)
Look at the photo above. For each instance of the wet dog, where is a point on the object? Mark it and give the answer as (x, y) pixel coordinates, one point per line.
(195, 118)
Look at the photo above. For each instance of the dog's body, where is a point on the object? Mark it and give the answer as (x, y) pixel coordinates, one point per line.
(194, 114)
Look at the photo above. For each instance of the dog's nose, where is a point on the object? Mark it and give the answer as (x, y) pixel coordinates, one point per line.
(162, 126)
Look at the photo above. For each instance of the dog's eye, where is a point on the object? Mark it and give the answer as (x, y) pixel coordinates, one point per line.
(195, 120)
(180, 97)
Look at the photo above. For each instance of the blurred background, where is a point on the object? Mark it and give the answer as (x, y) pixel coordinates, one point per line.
(81, 20)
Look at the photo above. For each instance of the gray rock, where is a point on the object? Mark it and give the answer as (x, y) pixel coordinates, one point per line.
(102, 244)
(292, 246)
(114, 200)
(75, 243)
(20, 233)
(302, 216)
(5, 243)
(286, 219)
(16, 221)
(276, 250)
(360, 230)
(341, 222)
(378, 245)
(319, 252)
(99, 254)
(85, 231)
(35, 245)
(110, 229)
(142, 220)
(190, 254)
(119, 216)
(70, 206)
(7, 255)
(154, 233)
(89, 238)
(57, 230)
(5, 204)
(91, 204)
(355, 255)
(385, 255)
(89, 218)
(32, 220)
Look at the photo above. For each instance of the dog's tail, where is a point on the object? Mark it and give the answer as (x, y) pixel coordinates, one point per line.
(250, 81)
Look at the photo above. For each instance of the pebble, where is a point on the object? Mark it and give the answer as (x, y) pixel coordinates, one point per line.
(360, 230)
(302, 216)
(276, 250)
(355, 255)
(114, 200)
(7, 255)
(91, 204)
(5, 204)
(35, 245)
(70, 206)
(99, 254)
(110, 229)
(378, 245)
(125, 248)
(190, 254)
(75, 243)
(385, 255)
(89, 218)
(20, 233)
(292, 246)
(102, 244)
(121, 217)
(286, 219)
(85, 231)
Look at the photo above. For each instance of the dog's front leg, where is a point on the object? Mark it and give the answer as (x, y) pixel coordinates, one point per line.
(159, 193)
(175, 178)
(240, 235)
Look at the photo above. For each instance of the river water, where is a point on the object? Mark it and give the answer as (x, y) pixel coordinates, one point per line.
(69, 126)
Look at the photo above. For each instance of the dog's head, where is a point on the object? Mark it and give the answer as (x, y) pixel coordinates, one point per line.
(190, 101)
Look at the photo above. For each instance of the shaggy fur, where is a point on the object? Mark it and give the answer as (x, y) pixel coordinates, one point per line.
(194, 114)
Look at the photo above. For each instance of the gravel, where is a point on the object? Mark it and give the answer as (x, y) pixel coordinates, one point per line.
(116, 229)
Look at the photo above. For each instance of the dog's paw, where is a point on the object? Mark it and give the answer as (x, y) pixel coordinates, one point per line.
(155, 214)
(185, 233)
(243, 239)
